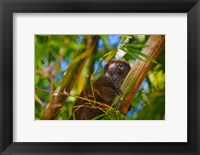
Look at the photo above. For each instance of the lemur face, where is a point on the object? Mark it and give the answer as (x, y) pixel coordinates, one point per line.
(117, 71)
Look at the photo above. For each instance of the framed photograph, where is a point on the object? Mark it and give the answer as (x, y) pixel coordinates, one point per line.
(106, 77)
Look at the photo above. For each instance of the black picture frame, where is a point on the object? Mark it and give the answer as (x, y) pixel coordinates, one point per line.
(8, 7)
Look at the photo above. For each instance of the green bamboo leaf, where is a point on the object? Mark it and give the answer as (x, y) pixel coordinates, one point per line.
(136, 51)
(110, 110)
(99, 116)
(106, 42)
(136, 56)
(125, 39)
(105, 118)
(79, 58)
(110, 55)
(124, 49)
(136, 45)
(147, 57)
(112, 118)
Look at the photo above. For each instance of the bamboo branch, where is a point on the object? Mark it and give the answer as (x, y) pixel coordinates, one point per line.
(69, 79)
(137, 73)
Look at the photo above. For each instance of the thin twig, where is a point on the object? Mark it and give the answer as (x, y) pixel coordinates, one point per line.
(82, 98)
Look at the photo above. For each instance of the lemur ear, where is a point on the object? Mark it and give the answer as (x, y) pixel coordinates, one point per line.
(113, 65)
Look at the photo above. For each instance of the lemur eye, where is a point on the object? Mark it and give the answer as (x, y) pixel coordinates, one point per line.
(121, 67)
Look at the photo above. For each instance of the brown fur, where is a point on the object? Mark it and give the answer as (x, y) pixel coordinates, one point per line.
(105, 89)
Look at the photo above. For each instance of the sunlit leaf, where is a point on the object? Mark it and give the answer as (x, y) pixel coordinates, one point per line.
(120, 53)
(110, 55)
(80, 85)
(125, 39)
(139, 38)
(110, 110)
(134, 55)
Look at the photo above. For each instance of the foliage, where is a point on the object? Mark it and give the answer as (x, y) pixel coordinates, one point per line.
(149, 103)
(53, 53)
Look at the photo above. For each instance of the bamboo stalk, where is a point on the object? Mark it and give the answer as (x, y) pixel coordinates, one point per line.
(69, 79)
(137, 73)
